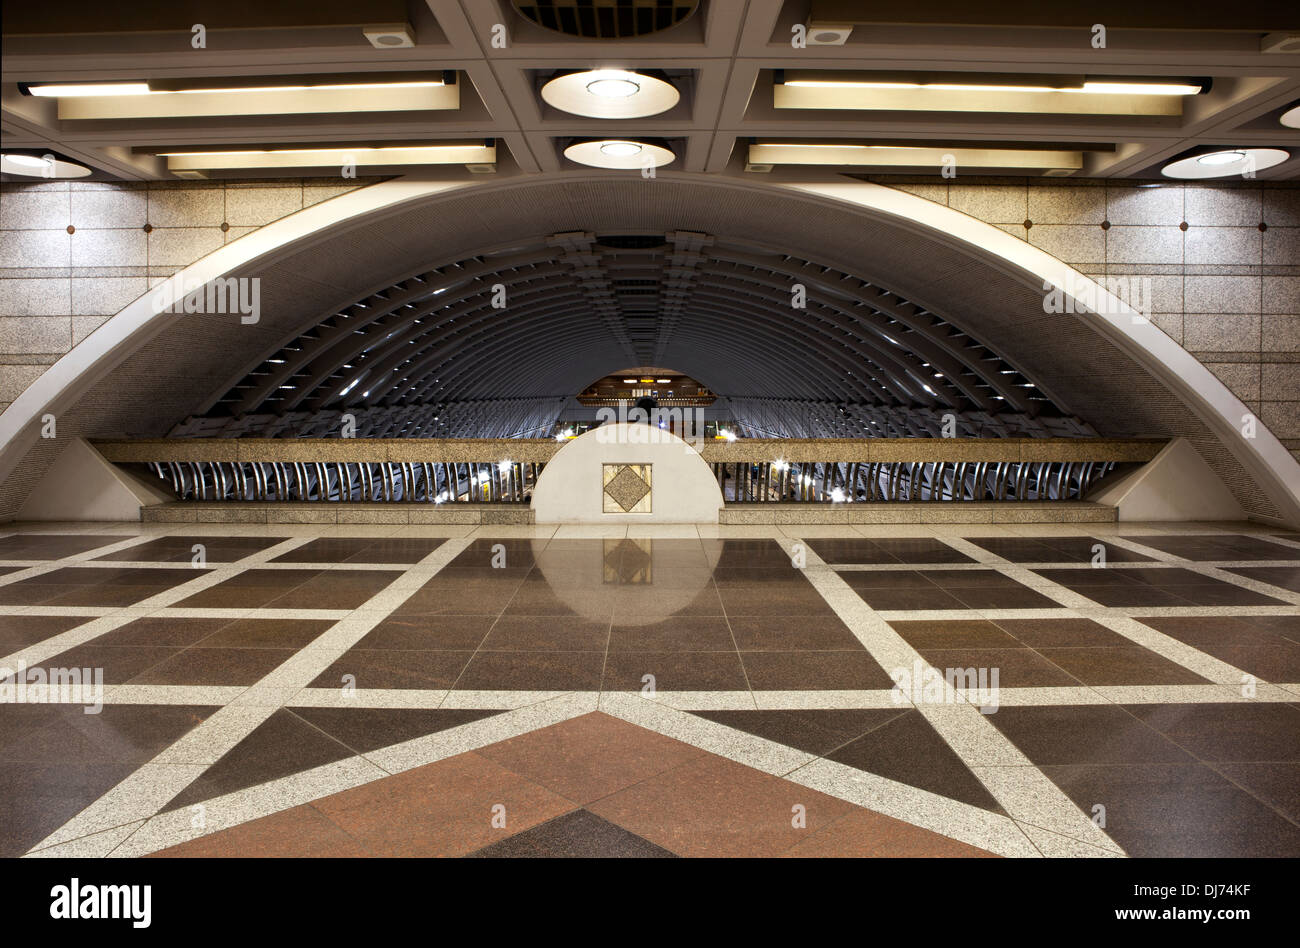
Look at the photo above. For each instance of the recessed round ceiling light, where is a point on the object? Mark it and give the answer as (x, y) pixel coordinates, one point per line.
(619, 154)
(611, 93)
(41, 166)
(1225, 163)
(1291, 117)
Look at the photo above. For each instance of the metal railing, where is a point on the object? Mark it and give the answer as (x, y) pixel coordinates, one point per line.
(748, 470)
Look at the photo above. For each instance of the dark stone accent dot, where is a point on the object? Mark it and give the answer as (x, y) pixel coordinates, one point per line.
(148, 228)
(1263, 226)
(1183, 226)
(71, 229)
(1105, 225)
(224, 227)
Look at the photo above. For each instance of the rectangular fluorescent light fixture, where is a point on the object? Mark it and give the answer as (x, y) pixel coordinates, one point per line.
(130, 101)
(452, 153)
(1073, 96)
(74, 90)
(906, 156)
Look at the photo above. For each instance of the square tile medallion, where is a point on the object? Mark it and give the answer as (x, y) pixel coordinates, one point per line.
(626, 488)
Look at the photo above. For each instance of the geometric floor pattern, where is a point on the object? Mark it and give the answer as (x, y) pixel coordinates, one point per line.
(972, 690)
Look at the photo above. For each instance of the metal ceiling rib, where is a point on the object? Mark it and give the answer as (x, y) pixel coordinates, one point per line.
(578, 305)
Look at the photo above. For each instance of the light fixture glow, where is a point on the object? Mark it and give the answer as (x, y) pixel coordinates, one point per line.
(1225, 163)
(620, 154)
(74, 90)
(1221, 158)
(361, 156)
(1137, 88)
(911, 156)
(41, 166)
(504, 466)
(1291, 117)
(611, 93)
(613, 88)
(620, 149)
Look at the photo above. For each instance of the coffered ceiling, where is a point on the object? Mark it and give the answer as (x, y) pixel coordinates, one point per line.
(996, 88)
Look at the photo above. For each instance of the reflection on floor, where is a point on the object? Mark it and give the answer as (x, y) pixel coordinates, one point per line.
(960, 691)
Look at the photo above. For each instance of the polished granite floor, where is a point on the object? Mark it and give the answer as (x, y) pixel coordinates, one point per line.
(520, 691)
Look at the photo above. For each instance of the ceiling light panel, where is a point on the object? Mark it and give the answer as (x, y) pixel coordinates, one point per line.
(619, 154)
(443, 154)
(1225, 163)
(41, 166)
(342, 96)
(893, 156)
(1034, 95)
(610, 94)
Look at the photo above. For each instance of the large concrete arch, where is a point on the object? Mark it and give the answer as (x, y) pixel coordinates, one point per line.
(141, 371)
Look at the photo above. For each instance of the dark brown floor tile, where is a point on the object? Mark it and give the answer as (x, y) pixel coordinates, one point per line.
(175, 549)
(746, 552)
(267, 633)
(362, 550)
(335, 589)
(886, 550)
(814, 671)
(907, 749)
(1061, 633)
(580, 835)
(864, 834)
(53, 546)
(484, 552)
(1286, 626)
(712, 806)
(1227, 732)
(118, 732)
(560, 593)
(120, 664)
(428, 632)
(1275, 784)
(533, 671)
(281, 745)
(367, 729)
(1217, 547)
(815, 731)
(1280, 663)
(673, 594)
(1121, 665)
(886, 579)
(36, 800)
(954, 633)
(152, 631)
(1287, 577)
(448, 594)
(955, 579)
(676, 634)
(1135, 595)
(546, 634)
(774, 599)
(589, 757)
(301, 832)
(787, 633)
(441, 809)
(994, 597)
(1215, 593)
(1017, 667)
(1170, 810)
(214, 666)
(392, 668)
(887, 599)
(674, 671)
(1056, 549)
(1085, 734)
(252, 588)
(17, 632)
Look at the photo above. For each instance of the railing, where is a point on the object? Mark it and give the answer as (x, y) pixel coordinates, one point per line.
(748, 471)
(918, 469)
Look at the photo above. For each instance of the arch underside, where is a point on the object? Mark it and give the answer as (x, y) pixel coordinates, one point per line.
(600, 272)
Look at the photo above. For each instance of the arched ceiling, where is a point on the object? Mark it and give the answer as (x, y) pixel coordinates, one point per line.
(877, 263)
(534, 321)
